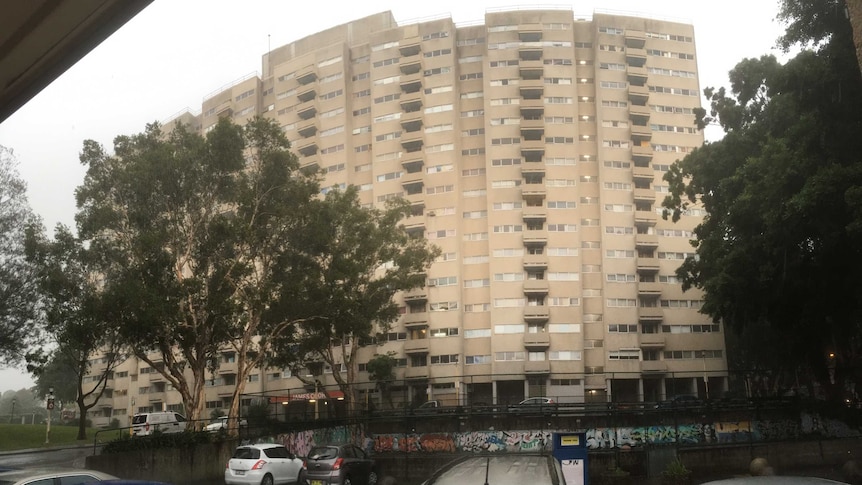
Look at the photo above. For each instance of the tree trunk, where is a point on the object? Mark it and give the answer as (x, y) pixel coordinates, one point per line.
(854, 9)
(82, 418)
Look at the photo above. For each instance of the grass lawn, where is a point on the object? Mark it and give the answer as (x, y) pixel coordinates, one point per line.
(24, 436)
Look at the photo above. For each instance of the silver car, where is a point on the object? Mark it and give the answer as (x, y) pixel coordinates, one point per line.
(264, 464)
(50, 476)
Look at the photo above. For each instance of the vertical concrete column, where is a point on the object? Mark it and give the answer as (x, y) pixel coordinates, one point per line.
(608, 390)
(662, 389)
(494, 392)
(526, 388)
(641, 389)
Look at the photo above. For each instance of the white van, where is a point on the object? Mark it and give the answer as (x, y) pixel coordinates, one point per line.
(145, 424)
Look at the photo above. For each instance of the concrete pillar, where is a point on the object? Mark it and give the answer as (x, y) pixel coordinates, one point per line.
(641, 389)
(494, 392)
(608, 392)
(662, 390)
(526, 388)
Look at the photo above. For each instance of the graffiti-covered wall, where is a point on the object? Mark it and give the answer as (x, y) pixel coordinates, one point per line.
(597, 438)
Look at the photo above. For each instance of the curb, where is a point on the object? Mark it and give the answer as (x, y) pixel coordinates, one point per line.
(26, 451)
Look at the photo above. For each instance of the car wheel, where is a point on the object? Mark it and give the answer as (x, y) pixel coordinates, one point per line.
(372, 478)
(267, 480)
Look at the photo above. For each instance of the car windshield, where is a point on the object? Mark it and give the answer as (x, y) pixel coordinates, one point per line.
(246, 454)
(323, 453)
(140, 419)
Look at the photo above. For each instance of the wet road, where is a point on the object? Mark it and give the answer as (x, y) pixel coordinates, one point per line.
(68, 457)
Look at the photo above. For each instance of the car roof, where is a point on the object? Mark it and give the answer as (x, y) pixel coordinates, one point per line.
(13, 476)
(773, 480)
(502, 469)
(261, 446)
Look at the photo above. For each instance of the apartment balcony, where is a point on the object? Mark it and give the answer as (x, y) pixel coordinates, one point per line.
(532, 110)
(635, 39)
(638, 95)
(537, 341)
(653, 367)
(411, 103)
(646, 218)
(650, 314)
(647, 265)
(536, 287)
(311, 165)
(307, 112)
(532, 89)
(534, 213)
(156, 397)
(224, 110)
(644, 195)
(418, 346)
(530, 53)
(641, 135)
(532, 152)
(641, 153)
(308, 149)
(413, 181)
(643, 174)
(308, 129)
(537, 367)
(533, 192)
(535, 237)
(411, 84)
(536, 314)
(530, 32)
(416, 295)
(413, 165)
(646, 241)
(636, 76)
(649, 289)
(414, 225)
(536, 261)
(416, 372)
(635, 56)
(652, 341)
(531, 69)
(416, 199)
(410, 46)
(411, 121)
(412, 142)
(639, 114)
(307, 95)
(411, 67)
(307, 75)
(415, 320)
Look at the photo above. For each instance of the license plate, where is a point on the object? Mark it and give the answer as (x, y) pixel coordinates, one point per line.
(239, 472)
(317, 482)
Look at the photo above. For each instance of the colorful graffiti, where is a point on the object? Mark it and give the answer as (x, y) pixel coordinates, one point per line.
(474, 441)
(301, 442)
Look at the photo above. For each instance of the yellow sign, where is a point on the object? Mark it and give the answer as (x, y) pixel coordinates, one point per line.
(570, 440)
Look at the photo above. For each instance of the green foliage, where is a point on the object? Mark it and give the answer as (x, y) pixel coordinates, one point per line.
(18, 296)
(357, 259)
(381, 368)
(257, 415)
(676, 468)
(196, 236)
(778, 252)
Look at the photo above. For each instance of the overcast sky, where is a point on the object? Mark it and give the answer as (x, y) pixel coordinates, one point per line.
(175, 52)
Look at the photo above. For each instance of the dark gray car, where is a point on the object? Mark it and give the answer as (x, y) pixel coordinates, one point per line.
(339, 464)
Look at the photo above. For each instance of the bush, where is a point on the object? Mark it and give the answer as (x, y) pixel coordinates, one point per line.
(676, 473)
(187, 439)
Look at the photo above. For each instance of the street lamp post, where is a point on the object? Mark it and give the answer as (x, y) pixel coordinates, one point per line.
(316, 399)
(12, 418)
(705, 378)
(50, 406)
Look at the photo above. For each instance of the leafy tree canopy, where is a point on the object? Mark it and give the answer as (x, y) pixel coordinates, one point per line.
(780, 249)
(18, 328)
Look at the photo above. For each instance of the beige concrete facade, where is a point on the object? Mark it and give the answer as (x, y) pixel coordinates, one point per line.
(532, 149)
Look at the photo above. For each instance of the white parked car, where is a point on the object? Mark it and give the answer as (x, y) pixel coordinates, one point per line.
(220, 423)
(264, 464)
(145, 424)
